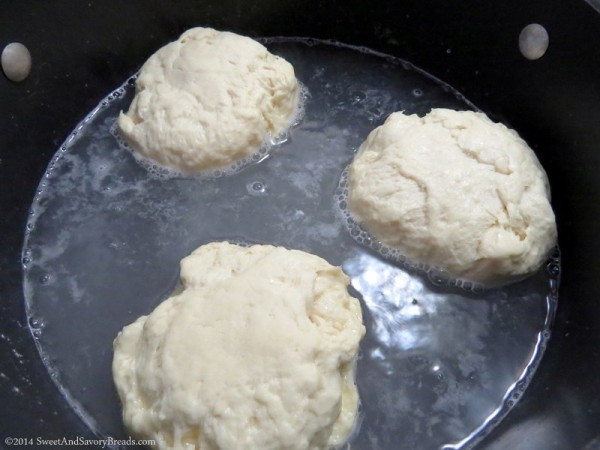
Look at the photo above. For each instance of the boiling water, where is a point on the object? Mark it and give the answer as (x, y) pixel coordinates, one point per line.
(439, 365)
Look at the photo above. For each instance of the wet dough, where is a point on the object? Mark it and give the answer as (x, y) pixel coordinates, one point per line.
(257, 352)
(208, 100)
(456, 191)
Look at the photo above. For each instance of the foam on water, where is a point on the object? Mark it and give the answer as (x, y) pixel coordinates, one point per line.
(436, 275)
(440, 364)
(160, 172)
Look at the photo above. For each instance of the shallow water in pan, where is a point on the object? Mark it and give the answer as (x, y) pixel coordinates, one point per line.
(439, 366)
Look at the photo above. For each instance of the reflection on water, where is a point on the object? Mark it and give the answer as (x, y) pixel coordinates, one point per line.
(441, 365)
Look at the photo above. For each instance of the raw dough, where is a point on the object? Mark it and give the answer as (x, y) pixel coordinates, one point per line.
(456, 191)
(257, 352)
(208, 100)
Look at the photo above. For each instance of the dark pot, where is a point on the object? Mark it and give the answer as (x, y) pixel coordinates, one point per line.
(83, 50)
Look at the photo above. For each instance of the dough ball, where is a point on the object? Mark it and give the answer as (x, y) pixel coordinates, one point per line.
(455, 191)
(208, 100)
(258, 351)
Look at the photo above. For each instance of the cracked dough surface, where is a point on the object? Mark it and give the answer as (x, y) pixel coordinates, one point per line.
(456, 191)
(258, 351)
(208, 100)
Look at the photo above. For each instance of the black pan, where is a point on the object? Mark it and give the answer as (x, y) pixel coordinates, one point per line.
(83, 50)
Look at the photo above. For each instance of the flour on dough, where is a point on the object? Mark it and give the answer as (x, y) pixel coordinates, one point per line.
(258, 351)
(208, 100)
(455, 191)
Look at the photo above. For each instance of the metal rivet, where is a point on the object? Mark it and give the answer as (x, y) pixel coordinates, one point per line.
(16, 61)
(533, 41)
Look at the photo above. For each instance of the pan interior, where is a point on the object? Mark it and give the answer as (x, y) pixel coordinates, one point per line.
(439, 366)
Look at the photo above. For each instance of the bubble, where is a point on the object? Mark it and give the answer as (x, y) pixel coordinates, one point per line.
(279, 139)
(417, 92)
(546, 334)
(155, 170)
(35, 323)
(44, 279)
(438, 278)
(303, 96)
(475, 288)
(358, 97)
(256, 188)
(553, 268)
